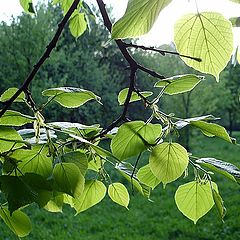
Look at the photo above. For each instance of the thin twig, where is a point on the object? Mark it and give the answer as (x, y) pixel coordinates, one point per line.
(43, 58)
(162, 52)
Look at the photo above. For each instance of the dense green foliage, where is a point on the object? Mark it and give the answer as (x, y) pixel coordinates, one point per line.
(61, 142)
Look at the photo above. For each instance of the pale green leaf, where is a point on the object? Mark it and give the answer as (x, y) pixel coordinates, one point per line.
(219, 204)
(138, 18)
(146, 176)
(27, 5)
(96, 164)
(78, 158)
(94, 191)
(18, 221)
(194, 199)
(55, 204)
(168, 161)
(133, 138)
(70, 97)
(179, 84)
(8, 139)
(212, 129)
(34, 160)
(119, 194)
(207, 36)
(14, 118)
(68, 179)
(123, 95)
(66, 4)
(77, 25)
(9, 93)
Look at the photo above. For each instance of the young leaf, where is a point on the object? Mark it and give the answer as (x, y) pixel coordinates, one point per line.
(18, 221)
(123, 95)
(194, 199)
(212, 129)
(94, 191)
(9, 139)
(168, 161)
(35, 160)
(9, 93)
(133, 138)
(77, 25)
(146, 176)
(219, 204)
(78, 158)
(70, 97)
(138, 18)
(207, 36)
(14, 118)
(119, 194)
(27, 5)
(179, 84)
(68, 179)
(227, 169)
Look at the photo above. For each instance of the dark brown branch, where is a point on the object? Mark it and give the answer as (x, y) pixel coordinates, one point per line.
(162, 52)
(43, 58)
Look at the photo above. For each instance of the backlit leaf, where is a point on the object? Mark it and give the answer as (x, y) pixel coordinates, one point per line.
(14, 118)
(178, 84)
(195, 199)
(119, 194)
(219, 204)
(27, 5)
(138, 18)
(70, 97)
(68, 179)
(168, 161)
(9, 93)
(146, 176)
(34, 160)
(77, 25)
(212, 129)
(123, 95)
(207, 36)
(94, 191)
(133, 138)
(18, 221)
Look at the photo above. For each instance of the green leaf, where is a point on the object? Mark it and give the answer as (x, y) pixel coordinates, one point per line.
(219, 204)
(195, 199)
(236, 1)
(78, 158)
(212, 129)
(96, 164)
(23, 190)
(9, 93)
(66, 4)
(179, 84)
(14, 118)
(123, 95)
(94, 191)
(119, 194)
(225, 168)
(138, 18)
(55, 204)
(9, 139)
(126, 169)
(70, 97)
(35, 160)
(146, 176)
(133, 138)
(68, 179)
(27, 5)
(207, 36)
(18, 221)
(168, 161)
(77, 25)
(235, 21)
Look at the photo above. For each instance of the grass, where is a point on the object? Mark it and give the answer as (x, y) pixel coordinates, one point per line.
(145, 220)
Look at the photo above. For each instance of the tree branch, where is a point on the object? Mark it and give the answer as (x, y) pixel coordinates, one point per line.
(162, 52)
(43, 58)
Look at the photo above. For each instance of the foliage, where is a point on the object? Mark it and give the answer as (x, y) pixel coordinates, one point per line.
(57, 163)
